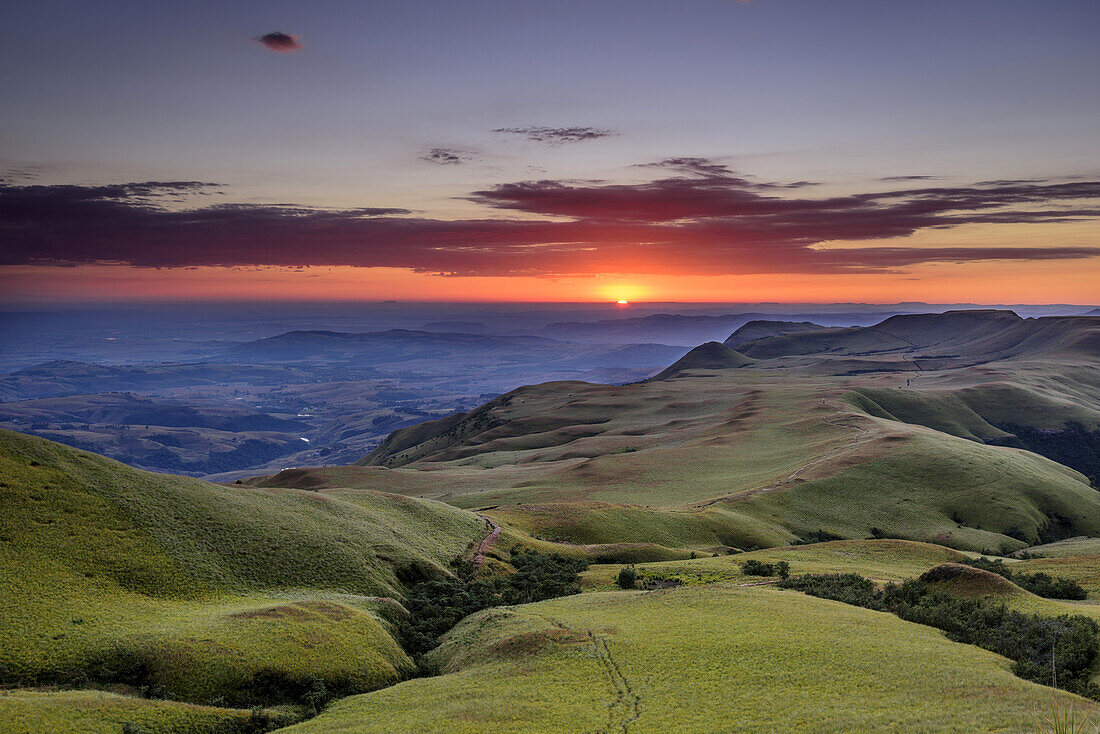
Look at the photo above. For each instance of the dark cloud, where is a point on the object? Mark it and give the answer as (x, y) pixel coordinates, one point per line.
(446, 156)
(909, 178)
(280, 42)
(557, 135)
(694, 224)
(709, 168)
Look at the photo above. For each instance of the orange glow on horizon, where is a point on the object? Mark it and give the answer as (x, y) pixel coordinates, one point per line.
(1074, 282)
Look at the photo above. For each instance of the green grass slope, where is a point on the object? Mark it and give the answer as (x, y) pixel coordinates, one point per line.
(207, 593)
(882, 560)
(941, 489)
(99, 712)
(710, 658)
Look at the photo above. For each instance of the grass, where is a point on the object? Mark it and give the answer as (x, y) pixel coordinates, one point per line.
(209, 594)
(882, 560)
(684, 659)
(1081, 546)
(755, 457)
(1084, 569)
(100, 712)
(940, 489)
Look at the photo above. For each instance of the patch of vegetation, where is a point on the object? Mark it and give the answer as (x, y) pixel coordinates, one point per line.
(1040, 584)
(1058, 651)
(753, 567)
(627, 578)
(438, 605)
(817, 536)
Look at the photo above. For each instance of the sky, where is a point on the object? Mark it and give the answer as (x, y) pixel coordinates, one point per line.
(664, 150)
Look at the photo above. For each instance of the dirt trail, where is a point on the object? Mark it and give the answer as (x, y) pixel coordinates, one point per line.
(487, 541)
(625, 706)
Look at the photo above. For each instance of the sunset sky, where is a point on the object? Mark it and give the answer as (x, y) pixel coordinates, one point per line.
(664, 150)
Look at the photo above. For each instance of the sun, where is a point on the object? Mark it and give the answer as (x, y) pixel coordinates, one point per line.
(620, 293)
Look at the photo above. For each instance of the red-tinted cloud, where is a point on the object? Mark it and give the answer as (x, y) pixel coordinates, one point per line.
(709, 222)
(280, 42)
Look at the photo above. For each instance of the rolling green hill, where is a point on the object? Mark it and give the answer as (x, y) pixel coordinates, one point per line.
(697, 659)
(223, 595)
(748, 457)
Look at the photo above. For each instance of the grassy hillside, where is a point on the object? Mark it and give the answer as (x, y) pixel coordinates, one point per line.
(953, 337)
(689, 658)
(207, 594)
(882, 560)
(709, 356)
(100, 712)
(751, 457)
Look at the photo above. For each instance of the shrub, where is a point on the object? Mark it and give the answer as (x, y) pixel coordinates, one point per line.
(438, 605)
(753, 567)
(628, 577)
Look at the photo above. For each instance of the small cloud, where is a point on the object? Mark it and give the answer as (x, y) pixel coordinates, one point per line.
(557, 135)
(909, 178)
(280, 42)
(446, 156)
(692, 164)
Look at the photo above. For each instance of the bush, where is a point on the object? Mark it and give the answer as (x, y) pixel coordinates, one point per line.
(438, 605)
(757, 568)
(628, 577)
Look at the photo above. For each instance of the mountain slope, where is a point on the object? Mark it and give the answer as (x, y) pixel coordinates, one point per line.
(709, 356)
(761, 329)
(953, 337)
(115, 576)
(748, 457)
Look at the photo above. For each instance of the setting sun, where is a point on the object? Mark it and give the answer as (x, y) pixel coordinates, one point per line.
(622, 302)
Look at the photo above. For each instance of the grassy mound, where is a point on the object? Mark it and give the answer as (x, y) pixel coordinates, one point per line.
(709, 356)
(204, 593)
(696, 659)
(962, 580)
(99, 712)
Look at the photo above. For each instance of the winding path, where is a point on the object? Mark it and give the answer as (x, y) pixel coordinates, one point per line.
(625, 706)
(487, 541)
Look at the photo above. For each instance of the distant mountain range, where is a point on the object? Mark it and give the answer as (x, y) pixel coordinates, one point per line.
(929, 340)
(689, 330)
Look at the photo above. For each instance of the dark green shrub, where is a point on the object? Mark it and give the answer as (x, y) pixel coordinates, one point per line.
(438, 605)
(754, 567)
(627, 578)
